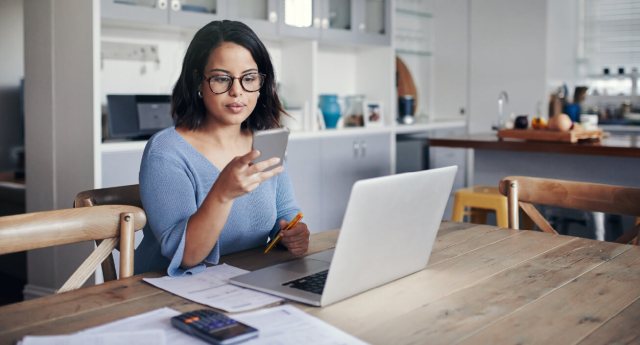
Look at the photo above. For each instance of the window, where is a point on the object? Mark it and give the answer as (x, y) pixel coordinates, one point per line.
(610, 36)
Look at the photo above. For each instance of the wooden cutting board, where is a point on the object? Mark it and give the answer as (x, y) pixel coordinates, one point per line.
(571, 136)
(406, 86)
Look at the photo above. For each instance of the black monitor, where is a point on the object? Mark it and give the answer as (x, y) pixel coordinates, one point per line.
(137, 117)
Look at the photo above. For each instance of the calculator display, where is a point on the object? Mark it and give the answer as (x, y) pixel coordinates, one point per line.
(232, 331)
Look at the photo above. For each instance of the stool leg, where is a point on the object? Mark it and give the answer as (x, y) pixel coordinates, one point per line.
(458, 210)
(501, 215)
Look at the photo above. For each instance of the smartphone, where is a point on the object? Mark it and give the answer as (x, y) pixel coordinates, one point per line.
(271, 143)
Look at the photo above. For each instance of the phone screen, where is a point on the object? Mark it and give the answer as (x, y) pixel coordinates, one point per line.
(271, 143)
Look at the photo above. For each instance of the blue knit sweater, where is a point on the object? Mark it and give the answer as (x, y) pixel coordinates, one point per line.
(174, 181)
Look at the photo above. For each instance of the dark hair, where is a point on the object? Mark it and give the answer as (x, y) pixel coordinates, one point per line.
(188, 109)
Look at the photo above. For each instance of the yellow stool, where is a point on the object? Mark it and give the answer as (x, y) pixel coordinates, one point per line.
(480, 197)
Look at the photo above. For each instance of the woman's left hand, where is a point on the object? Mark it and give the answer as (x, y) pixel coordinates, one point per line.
(295, 239)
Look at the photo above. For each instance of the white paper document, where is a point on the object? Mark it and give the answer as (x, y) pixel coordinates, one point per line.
(212, 288)
(286, 325)
(282, 325)
(117, 337)
(155, 320)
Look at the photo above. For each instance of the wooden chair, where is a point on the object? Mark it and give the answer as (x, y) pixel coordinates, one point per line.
(111, 224)
(122, 195)
(523, 192)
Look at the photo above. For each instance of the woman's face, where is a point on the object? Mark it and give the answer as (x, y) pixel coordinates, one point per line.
(234, 106)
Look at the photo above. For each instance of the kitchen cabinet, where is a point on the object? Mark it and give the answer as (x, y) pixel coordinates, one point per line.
(344, 21)
(373, 21)
(338, 21)
(144, 12)
(195, 13)
(444, 156)
(304, 169)
(346, 160)
(262, 16)
(323, 170)
(120, 168)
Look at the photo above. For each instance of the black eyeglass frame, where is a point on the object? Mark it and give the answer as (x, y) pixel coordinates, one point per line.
(233, 79)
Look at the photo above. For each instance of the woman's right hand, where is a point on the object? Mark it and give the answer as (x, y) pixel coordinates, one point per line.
(241, 176)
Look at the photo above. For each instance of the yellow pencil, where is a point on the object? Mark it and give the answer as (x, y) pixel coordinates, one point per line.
(291, 224)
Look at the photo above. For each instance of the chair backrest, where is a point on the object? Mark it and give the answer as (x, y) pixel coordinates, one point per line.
(110, 223)
(522, 192)
(122, 195)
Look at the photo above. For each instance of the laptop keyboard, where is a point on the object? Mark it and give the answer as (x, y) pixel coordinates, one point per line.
(313, 283)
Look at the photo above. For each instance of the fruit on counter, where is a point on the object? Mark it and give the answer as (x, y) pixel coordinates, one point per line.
(539, 123)
(560, 122)
(521, 122)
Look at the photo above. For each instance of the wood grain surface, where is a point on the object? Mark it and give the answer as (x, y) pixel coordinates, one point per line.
(614, 145)
(483, 285)
(572, 136)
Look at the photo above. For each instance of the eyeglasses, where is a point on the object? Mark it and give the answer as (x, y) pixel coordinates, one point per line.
(250, 82)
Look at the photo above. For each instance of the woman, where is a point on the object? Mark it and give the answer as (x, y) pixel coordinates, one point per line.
(202, 195)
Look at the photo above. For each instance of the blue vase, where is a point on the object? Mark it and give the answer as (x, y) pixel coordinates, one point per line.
(330, 109)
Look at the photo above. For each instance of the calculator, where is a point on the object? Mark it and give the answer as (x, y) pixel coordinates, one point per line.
(213, 327)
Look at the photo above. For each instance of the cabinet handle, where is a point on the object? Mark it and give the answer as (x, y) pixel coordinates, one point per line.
(356, 149)
(316, 22)
(161, 4)
(363, 148)
(325, 23)
(175, 5)
(273, 17)
(362, 26)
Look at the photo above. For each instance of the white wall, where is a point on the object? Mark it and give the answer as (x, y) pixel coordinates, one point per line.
(61, 117)
(11, 71)
(451, 57)
(562, 43)
(507, 52)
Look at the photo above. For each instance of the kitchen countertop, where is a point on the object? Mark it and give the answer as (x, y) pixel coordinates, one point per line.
(612, 145)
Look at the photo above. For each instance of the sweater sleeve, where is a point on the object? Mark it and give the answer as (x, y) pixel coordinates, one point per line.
(168, 196)
(286, 205)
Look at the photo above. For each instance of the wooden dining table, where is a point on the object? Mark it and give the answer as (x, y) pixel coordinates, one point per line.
(483, 285)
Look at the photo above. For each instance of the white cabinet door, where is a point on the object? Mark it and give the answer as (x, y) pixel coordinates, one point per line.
(303, 167)
(300, 18)
(372, 22)
(346, 160)
(260, 15)
(145, 12)
(444, 156)
(339, 158)
(196, 13)
(120, 168)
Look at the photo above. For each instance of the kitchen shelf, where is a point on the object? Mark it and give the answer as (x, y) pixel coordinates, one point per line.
(414, 13)
(413, 52)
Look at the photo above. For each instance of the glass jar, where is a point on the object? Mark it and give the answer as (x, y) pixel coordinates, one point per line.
(354, 113)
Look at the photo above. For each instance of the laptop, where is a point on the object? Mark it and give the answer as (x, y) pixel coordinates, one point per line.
(387, 233)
